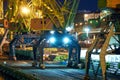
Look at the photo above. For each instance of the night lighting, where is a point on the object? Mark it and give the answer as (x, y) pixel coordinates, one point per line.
(52, 40)
(25, 10)
(66, 40)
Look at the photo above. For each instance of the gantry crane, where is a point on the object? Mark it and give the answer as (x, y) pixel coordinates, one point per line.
(109, 28)
(42, 13)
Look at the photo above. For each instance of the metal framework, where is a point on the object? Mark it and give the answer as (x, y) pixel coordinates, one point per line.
(102, 43)
(61, 13)
(73, 57)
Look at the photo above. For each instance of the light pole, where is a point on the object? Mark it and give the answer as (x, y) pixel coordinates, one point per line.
(87, 31)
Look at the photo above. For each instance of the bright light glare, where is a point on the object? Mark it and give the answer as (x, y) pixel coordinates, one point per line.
(52, 32)
(85, 15)
(87, 29)
(25, 10)
(68, 28)
(105, 11)
(52, 40)
(66, 40)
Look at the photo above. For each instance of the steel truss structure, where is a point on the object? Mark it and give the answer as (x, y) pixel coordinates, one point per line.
(109, 29)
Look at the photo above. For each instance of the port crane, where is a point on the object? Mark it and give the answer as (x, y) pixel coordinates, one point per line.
(30, 16)
(61, 14)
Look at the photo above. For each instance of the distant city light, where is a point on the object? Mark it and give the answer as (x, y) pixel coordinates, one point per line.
(5, 62)
(87, 31)
(105, 11)
(85, 15)
(76, 24)
(81, 23)
(91, 16)
(91, 22)
(103, 19)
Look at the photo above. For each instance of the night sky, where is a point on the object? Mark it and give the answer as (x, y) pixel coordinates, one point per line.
(90, 5)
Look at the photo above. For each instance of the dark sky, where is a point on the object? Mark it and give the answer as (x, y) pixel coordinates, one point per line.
(88, 5)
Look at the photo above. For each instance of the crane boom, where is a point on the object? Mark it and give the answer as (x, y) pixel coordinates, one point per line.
(62, 11)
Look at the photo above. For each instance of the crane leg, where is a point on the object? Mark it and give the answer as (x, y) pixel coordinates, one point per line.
(41, 65)
(78, 54)
(69, 57)
(34, 56)
(12, 49)
(12, 52)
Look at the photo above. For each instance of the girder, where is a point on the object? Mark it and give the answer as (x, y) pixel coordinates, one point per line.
(61, 11)
(73, 58)
(102, 43)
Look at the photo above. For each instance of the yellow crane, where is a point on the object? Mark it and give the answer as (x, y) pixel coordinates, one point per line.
(21, 14)
(22, 11)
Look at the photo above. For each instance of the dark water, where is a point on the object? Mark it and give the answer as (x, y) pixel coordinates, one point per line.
(5, 77)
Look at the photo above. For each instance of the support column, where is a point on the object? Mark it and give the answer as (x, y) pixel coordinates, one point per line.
(34, 56)
(103, 52)
(88, 58)
(12, 55)
(41, 52)
(12, 49)
(78, 53)
(41, 55)
(69, 57)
